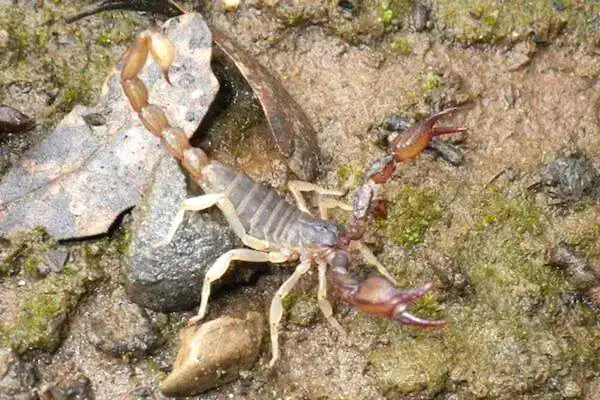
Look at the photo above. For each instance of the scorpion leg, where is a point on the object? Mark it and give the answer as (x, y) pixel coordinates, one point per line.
(221, 266)
(276, 311)
(326, 204)
(192, 204)
(297, 187)
(324, 304)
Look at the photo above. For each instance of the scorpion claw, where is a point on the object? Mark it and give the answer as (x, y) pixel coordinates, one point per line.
(407, 318)
(378, 296)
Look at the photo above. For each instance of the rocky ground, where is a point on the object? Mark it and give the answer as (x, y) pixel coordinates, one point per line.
(509, 230)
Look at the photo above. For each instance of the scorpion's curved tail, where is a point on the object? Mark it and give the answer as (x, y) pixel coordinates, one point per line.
(377, 296)
(153, 117)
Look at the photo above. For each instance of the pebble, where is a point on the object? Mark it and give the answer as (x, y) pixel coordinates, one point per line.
(214, 353)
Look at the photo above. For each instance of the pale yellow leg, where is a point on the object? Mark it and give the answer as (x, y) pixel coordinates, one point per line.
(324, 304)
(326, 204)
(372, 260)
(277, 307)
(221, 266)
(192, 204)
(297, 187)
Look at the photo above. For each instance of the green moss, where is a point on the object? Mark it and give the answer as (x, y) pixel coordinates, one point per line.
(351, 174)
(31, 265)
(431, 82)
(392, 12)
(402, 46)
(26, 252)
(490, 21)
(410, 367)
(520, 212)
(70, 269)
(41, 321)
(411, 213)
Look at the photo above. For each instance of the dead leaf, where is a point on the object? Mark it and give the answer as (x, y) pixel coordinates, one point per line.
(82, 176)
(292, 132)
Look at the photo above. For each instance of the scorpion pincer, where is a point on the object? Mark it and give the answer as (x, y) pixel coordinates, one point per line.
(274, 230)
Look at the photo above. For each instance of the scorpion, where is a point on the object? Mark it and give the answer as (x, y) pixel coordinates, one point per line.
(274, 230)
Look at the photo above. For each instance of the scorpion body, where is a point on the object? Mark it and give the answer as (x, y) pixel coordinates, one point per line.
(267, 216)
(273, 229)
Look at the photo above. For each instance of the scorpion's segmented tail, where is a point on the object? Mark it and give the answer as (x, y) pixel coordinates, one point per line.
(154, 119)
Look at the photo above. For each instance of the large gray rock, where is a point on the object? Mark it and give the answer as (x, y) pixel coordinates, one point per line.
(169, 278)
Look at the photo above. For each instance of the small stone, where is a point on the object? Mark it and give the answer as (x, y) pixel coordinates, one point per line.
(123, 328)
(12, 121)
(421, 15)
(578, 270)
(447, 151)
(570, 178)
(71, 386)
(214, 353)
(169, 277)
(53, 262)
(396, 123)
(303, 312)
(17, 377)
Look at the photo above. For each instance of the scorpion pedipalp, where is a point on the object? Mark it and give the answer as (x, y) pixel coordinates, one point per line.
(377, 295)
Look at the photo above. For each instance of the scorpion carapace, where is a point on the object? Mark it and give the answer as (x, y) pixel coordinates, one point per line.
(274, 230)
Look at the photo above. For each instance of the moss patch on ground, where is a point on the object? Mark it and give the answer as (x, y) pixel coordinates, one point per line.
(513, 333)
(26, 253)
(411, 213)
(488, 21)
(41, 323)
(413, 366)
(46, 54)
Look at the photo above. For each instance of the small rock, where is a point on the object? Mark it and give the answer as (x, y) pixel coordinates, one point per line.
(17, 378)
(421, 15)
(303, 312)
(570, 178)
(13, 121)
(122, 328)
(54, 261)
(579, 271)
(449, 272)
(214, 353)
(521, 55)
(447, 151)
(72, 386)
(397, 123)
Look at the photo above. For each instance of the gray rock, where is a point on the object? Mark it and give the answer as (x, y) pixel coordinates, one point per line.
(213, 354)
(169, 278)
(17, 378)
(571, 178)
(579, 271)
(53, 262)
(122, 328)
(70, 386)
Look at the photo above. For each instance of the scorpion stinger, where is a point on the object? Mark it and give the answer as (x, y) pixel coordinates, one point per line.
(274, 230)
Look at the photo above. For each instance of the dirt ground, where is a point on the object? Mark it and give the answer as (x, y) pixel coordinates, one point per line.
(514, 331)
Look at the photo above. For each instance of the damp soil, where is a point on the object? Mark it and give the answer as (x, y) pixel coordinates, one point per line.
(518, 327)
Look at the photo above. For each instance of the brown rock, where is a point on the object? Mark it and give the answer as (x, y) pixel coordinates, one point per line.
(214, 353)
